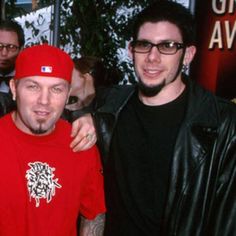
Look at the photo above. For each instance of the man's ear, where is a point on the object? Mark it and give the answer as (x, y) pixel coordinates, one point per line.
(130, 51)
(189, 55)
(12, 85)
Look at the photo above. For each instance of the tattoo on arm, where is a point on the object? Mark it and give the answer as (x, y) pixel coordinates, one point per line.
(93, 227)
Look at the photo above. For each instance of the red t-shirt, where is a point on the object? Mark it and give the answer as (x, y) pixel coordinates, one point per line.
(44, 185)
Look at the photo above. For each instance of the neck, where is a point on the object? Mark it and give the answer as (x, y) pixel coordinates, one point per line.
(169, 93)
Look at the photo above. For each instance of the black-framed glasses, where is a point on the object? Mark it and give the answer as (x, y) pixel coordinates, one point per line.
(9, 47)
(165, 47)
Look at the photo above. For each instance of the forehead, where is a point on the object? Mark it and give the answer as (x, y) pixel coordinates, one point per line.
(162, 30)
(8, 37)
(44, 81)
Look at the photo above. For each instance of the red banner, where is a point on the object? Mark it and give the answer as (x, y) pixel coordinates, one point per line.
(215, 63)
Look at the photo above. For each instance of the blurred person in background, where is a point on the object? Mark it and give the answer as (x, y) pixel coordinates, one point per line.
(11, 43)
(88, 76)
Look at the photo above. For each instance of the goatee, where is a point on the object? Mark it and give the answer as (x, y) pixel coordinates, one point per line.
(39, 130)
(150, 91)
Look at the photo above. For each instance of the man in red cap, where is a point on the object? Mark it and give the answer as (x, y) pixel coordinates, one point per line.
(45, 185)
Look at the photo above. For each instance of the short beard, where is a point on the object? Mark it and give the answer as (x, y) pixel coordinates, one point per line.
(150, 91)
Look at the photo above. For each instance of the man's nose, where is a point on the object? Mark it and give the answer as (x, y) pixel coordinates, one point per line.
(4, 51)
(44, 97)
(154, 54)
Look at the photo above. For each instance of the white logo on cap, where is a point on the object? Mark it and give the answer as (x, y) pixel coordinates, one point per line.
(46, 69)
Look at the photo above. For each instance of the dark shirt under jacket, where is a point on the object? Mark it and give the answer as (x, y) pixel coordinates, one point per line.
(139, 165)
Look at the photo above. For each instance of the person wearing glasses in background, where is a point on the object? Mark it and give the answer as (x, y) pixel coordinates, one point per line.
(168, 146)
(11, 42)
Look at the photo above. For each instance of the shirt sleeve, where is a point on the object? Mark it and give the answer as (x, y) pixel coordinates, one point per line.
(92, 199)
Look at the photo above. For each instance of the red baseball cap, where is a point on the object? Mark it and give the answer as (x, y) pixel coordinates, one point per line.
(44, 60)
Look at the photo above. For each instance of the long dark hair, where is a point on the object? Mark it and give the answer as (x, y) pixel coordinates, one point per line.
(102, 76)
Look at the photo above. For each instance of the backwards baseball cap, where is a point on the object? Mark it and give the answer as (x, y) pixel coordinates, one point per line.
(44, 60)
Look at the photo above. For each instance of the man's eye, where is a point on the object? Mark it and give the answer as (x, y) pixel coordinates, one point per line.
(168, 45)
(32, 87)
(143, 44)
(57, 90)
(10, 46)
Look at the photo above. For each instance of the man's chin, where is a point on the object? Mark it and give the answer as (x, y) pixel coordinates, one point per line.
(150, 90)
(38, 131)
(41, 127)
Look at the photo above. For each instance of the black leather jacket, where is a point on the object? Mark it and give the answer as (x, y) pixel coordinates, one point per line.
(202, 193)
